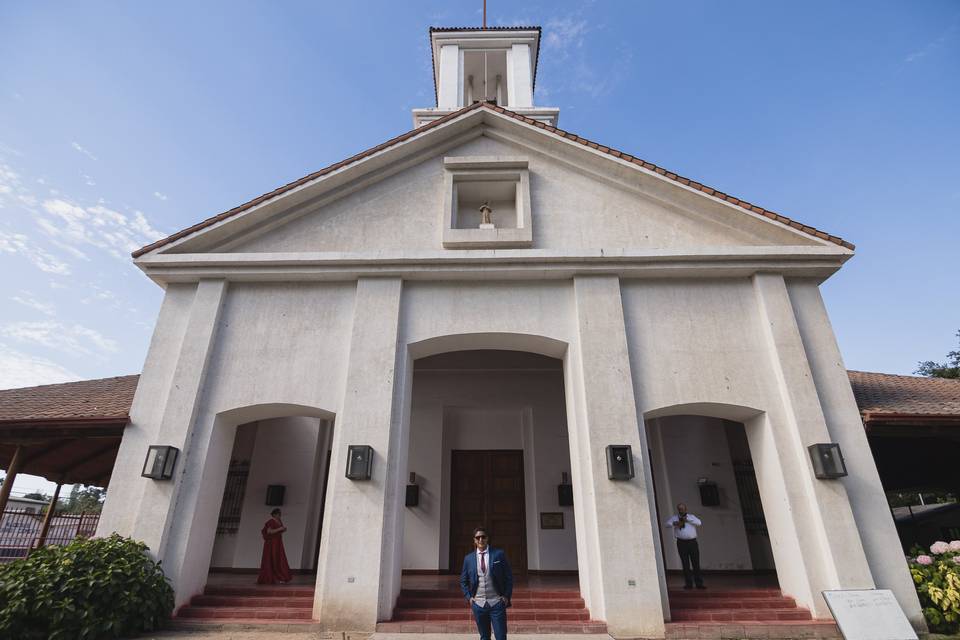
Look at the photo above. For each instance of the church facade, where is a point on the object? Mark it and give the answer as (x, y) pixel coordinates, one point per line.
(491, 310)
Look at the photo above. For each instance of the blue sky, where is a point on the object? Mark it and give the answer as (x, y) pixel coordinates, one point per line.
(124, 122)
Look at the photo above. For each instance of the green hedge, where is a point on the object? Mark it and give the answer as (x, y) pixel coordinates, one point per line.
(90, 589)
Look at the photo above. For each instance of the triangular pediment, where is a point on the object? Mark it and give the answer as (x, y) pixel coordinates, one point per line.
(581, 198)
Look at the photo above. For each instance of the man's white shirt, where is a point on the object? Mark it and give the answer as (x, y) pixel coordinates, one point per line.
(688, 531)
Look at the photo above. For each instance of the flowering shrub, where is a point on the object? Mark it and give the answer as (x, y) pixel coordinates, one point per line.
(937, 578)
(102, 588)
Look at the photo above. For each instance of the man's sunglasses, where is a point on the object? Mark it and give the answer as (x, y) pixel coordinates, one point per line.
(479, 537)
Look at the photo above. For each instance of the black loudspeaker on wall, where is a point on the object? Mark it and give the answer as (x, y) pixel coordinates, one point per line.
(275, 494)
(709, 493)
(565, 492)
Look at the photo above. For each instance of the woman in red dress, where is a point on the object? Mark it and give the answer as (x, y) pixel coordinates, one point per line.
(273, 565)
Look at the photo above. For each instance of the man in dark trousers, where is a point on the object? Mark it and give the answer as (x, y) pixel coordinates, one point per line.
(684, 526)
(487, 584)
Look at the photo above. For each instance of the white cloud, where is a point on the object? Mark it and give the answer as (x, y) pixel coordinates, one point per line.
(97, 226)
(19, 244)
(101, 296)
(73, 339)
(18, 369)
(159, 196)
(564, 34)
(931, 47)
(88, 180)
(27, 300)
(86, 152)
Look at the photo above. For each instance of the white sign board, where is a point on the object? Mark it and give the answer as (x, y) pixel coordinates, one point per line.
(869, 614)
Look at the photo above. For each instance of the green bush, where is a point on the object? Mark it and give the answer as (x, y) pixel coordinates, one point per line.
(89, 589)
(937, 578)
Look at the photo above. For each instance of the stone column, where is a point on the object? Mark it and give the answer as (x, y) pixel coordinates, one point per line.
(867, 498)
(352, 544)
(626, 584)
(448, 84)
(830, 546)
(159, 522)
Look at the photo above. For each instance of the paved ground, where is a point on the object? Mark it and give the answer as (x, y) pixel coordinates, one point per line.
(316, 635)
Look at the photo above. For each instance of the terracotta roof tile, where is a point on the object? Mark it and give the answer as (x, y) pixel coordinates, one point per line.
(884, 393)
(536, 123)
(876, 394)
(87, 399)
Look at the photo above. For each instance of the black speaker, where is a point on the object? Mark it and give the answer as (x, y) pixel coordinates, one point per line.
(709, 494)
(275, 495)
(619, 462)
(565, 495)
(413, 495)
(359, 461)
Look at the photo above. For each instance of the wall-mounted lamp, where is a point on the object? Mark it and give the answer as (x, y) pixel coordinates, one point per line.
(827, 461)
(619, 462)
(359, 461)
(413, 491)
(159, 462)
(565, 491)
(275, 495)
(709, 492)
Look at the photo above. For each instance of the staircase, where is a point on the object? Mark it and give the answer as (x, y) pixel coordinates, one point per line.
(533, 611)
(751, 613)
(260, 604)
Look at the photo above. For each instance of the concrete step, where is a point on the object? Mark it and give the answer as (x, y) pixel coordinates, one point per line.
(738, 594)
(252, 601)
(459, 603)
(259, 591)
(518, 594)
(725, 603)
(252, 613)
(521, 626)
(464, 614)
(784, 630)
(739, 615)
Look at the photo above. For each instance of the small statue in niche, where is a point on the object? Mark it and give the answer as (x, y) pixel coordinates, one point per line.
(486, 222)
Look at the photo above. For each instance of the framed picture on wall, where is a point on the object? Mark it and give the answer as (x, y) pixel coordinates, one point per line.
(551, 520)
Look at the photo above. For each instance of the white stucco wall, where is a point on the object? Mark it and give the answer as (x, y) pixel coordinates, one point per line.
(503, 409)
(286, 452)
(686, 448)
(268, 336)
(561, 196)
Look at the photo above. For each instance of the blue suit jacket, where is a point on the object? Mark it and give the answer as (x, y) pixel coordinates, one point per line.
(499, 570)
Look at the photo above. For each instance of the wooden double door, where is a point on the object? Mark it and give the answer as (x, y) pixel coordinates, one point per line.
(486, 489)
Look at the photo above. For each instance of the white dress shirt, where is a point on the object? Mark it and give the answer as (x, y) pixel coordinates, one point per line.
(688, 531)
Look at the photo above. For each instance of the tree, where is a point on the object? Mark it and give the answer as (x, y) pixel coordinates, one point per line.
(948, 369)
(83, 499)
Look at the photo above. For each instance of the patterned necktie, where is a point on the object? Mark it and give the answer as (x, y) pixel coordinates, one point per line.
(483, 562)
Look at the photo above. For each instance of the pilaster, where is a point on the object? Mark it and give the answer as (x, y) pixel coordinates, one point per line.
(154, 525)
(871, 511)
(357, 512)
(826, 529)
(628, 595)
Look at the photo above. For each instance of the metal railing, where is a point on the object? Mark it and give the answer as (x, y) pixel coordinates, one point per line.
(20, 530)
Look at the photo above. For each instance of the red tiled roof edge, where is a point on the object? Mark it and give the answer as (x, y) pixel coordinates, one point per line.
(693, 184)
(101, 399)
(296, 183)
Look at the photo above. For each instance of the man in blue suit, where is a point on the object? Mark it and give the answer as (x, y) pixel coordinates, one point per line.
(487, 583)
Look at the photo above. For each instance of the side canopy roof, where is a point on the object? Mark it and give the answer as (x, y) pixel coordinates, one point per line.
(490, 132)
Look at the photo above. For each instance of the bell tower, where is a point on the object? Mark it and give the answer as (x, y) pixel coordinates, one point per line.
(492, 64)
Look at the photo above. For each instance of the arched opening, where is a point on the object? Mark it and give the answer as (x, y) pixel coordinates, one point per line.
(708, 457)
(271, 456)
(489, 445)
